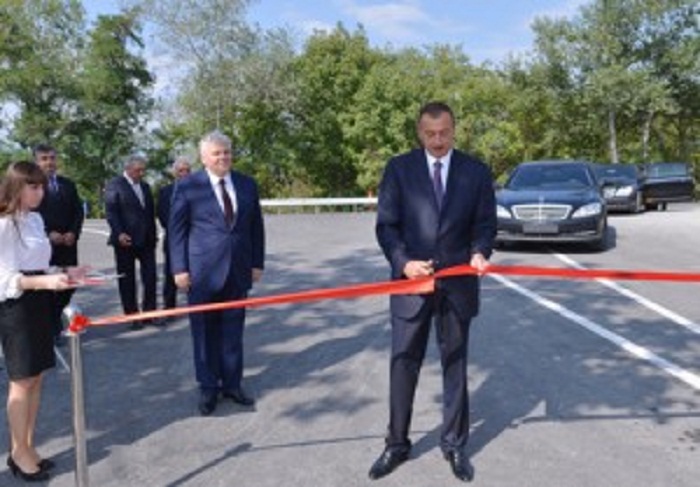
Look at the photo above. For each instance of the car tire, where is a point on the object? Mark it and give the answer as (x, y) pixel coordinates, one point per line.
(601, 245)
(638, 204)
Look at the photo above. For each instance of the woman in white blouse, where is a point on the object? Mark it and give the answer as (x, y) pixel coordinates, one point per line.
(25, 311)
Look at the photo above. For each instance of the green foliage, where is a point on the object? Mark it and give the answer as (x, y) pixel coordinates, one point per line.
(329, 73)
(619, 81)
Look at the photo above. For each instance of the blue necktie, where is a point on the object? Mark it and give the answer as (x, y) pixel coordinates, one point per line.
(437, 183)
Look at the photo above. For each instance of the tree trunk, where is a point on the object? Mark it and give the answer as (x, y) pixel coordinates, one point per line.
(646, 134)
(614, 158)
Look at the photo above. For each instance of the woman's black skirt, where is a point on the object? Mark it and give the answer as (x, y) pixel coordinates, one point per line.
(27, 334)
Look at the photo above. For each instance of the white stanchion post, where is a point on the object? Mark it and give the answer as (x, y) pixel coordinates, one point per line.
(78, 398)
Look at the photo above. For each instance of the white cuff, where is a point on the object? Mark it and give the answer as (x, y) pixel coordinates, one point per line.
(13, 289)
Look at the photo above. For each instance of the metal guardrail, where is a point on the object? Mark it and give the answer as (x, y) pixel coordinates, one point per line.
(317, 204)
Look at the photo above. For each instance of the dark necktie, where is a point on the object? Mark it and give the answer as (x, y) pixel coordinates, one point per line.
(437, 183)
(53, 184)
(228, 207)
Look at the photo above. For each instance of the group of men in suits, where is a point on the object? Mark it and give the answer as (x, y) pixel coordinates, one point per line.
(214, 251)
(436, 209)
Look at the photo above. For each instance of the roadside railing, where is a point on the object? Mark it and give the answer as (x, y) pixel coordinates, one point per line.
(318, 205)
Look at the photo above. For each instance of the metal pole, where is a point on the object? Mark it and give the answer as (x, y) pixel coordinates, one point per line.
(78, 400)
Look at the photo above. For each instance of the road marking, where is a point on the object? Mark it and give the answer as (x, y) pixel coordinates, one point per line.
(657, 308)
(95, 231)
(625, 344)
(61, 359)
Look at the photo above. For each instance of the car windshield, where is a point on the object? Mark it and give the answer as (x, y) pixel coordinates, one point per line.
(561, 176)
(617, 171)
(667, 169)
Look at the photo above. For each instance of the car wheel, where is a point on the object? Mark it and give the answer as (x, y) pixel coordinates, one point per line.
(601, 244)
(638, 205)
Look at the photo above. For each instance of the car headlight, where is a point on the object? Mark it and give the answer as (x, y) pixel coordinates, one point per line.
(591, 209)
(502, 212)
(624, 191)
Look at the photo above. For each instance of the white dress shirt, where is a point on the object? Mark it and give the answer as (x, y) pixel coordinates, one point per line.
(444, 170)
(23, 247)
(214, 179)
(137, 189)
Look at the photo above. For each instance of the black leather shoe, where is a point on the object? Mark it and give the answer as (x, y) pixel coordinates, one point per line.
(207, 403)
(461, 468)
(157, 322)
(239, 397)
(387, 463)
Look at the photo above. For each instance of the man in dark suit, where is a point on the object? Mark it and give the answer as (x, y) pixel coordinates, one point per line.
(436, 209)
(62, 212)
(217, 249)
(180, 168)
(131, 217)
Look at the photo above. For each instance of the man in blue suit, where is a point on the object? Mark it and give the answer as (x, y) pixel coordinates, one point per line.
(217, 249)
(436, 209)
(131, 217)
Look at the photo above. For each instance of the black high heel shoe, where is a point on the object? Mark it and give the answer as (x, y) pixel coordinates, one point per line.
(38, 476)
(46, 464)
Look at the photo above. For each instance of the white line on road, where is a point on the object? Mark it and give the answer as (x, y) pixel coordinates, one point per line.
(96, 231)
(627, 345)
(657, 308)
(61, 359)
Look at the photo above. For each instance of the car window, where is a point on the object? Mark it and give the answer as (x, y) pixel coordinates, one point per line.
(565, 176)
(617, 171)
(667, 170)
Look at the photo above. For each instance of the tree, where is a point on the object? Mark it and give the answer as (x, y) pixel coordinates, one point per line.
(230, 76)
(330, 72)
(39, 56)
(114, 86)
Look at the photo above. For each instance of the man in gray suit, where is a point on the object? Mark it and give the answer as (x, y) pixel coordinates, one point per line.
(132, 222)
(436, 209)
(217, 252)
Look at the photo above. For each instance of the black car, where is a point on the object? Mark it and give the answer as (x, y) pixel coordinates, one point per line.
(621, 185)
(667, 182)
(552, 201)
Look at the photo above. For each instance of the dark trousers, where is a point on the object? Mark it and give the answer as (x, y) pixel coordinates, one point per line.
(217, 338)
(409, 341)
(126, 264)
(169, 288)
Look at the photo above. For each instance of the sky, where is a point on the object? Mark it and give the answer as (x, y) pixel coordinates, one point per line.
(487, 30)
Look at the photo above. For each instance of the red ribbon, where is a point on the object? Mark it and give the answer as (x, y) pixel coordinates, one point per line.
(424, 285)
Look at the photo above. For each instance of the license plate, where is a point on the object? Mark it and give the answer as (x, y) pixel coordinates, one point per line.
(541, 228)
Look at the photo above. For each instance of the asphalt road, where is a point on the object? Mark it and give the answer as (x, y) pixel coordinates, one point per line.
(573, 383)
